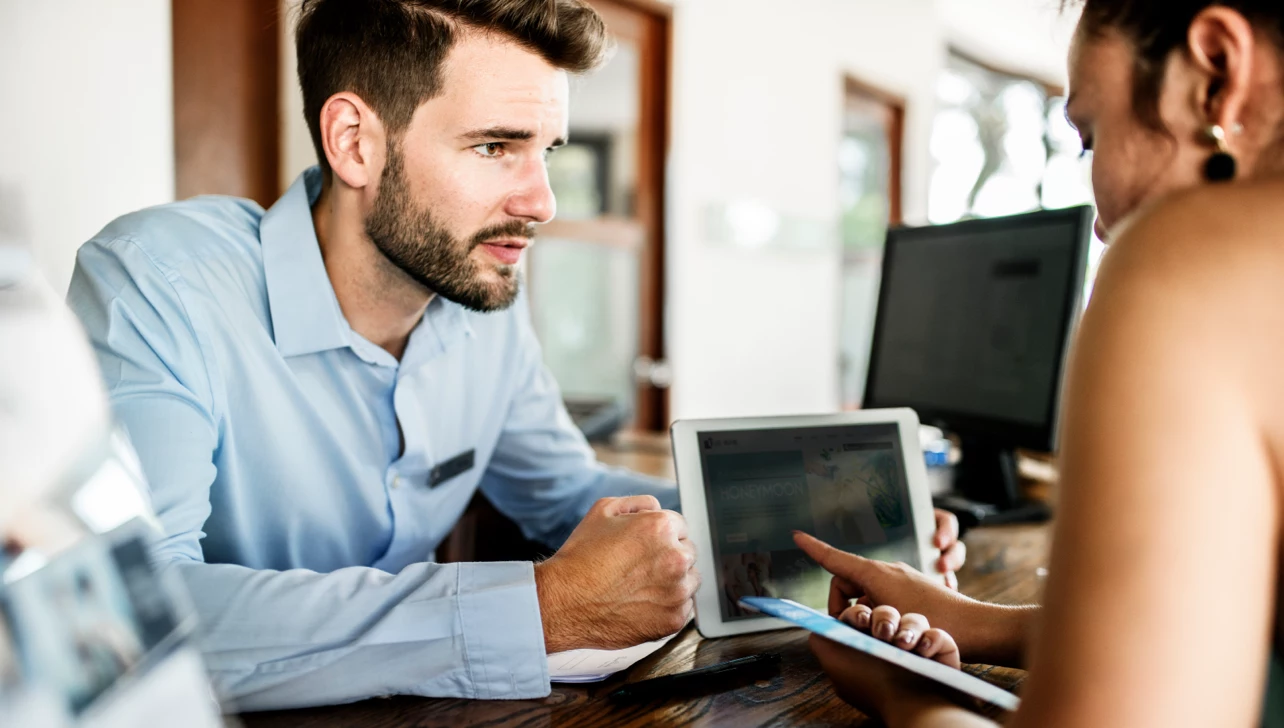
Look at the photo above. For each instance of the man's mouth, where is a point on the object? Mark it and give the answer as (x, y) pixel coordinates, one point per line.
(507, 251)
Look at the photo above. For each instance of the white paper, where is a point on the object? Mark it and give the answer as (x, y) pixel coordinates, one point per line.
(586, 666)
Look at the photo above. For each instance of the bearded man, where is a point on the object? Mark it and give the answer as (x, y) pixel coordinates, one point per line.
(317, 391)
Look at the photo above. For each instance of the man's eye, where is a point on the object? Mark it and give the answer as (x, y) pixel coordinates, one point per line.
(490, 149)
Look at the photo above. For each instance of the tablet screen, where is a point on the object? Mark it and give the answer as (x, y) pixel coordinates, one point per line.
(845, 485)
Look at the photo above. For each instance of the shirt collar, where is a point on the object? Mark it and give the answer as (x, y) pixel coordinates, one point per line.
(444, 325)
(306, 317)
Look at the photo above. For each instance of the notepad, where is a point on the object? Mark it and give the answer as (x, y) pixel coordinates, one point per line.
(590, 666)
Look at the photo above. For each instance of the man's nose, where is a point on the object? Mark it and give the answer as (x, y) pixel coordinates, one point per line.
(534, 199)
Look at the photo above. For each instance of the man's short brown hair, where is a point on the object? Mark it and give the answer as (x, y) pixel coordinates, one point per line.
(390, 52)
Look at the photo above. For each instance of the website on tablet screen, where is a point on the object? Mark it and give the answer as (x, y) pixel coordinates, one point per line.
(845, 485)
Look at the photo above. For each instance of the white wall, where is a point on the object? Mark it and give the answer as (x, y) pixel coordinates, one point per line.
(88, 122)
(756, 118)
(757, 92)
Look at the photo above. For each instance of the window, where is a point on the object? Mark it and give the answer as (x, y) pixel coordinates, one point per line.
(1001, 145)
(596, 273)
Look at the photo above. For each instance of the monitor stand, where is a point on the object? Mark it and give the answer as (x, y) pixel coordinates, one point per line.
(987, 489)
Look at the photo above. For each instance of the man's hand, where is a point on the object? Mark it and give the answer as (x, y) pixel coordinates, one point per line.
(985, 633)
(953, 551)
(625, 576)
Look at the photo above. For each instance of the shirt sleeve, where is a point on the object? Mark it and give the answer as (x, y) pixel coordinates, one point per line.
(543, 474)
(285, 639)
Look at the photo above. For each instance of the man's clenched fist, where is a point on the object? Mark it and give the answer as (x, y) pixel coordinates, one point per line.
(625, 576)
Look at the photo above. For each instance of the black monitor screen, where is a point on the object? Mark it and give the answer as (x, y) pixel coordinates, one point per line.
(973, 319)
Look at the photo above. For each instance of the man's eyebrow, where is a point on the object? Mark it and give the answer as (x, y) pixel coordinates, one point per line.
(498, 133)
(506, 134)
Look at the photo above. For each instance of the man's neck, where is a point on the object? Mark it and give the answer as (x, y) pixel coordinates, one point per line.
(379, 300)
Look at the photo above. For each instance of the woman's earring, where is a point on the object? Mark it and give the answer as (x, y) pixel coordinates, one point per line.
(1221, 167)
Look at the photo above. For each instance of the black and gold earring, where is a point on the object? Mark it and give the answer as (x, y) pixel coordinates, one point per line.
(1221, 167)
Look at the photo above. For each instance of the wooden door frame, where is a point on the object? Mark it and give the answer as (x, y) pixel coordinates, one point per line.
(896, 104)
(649, 25)
(650, 7)
(227, 118)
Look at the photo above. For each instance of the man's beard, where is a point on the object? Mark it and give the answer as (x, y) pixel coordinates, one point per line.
(414, 242)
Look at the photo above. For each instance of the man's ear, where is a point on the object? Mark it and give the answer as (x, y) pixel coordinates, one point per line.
(1222, 47)
(353, 139)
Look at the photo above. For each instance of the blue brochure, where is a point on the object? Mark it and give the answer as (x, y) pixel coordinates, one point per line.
(830, 628)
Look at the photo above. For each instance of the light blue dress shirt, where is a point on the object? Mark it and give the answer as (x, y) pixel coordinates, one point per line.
(268, 430)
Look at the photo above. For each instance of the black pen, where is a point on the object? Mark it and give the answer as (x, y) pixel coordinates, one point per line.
(698, 678)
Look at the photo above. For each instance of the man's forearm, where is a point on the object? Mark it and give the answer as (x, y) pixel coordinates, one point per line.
(289, 639)
(615, 482)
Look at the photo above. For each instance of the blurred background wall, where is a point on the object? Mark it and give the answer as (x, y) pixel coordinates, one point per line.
(761, 301)
(87, 119)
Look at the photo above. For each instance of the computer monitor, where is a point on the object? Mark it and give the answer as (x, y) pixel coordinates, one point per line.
(974, 320)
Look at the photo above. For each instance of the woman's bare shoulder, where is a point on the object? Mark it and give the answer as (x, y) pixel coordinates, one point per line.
(1227, 226)
(1200, 276)
(1221, 244)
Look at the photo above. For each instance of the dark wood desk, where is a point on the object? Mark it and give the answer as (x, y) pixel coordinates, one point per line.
(1004, 565)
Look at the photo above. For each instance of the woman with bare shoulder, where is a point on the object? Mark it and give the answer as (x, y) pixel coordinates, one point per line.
(1161, 603)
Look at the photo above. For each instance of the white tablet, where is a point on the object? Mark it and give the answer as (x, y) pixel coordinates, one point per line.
(855, 480)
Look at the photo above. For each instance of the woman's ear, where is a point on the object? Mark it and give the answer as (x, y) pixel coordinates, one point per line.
(353, 140)
(1222, 48)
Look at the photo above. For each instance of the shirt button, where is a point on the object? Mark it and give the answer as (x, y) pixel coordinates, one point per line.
(396, 481)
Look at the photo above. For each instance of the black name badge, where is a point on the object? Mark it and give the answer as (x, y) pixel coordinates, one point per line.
(453, 467)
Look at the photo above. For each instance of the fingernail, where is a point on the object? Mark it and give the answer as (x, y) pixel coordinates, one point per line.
(925, 644)
(885, 630)
(906, 636)
(862, 620)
